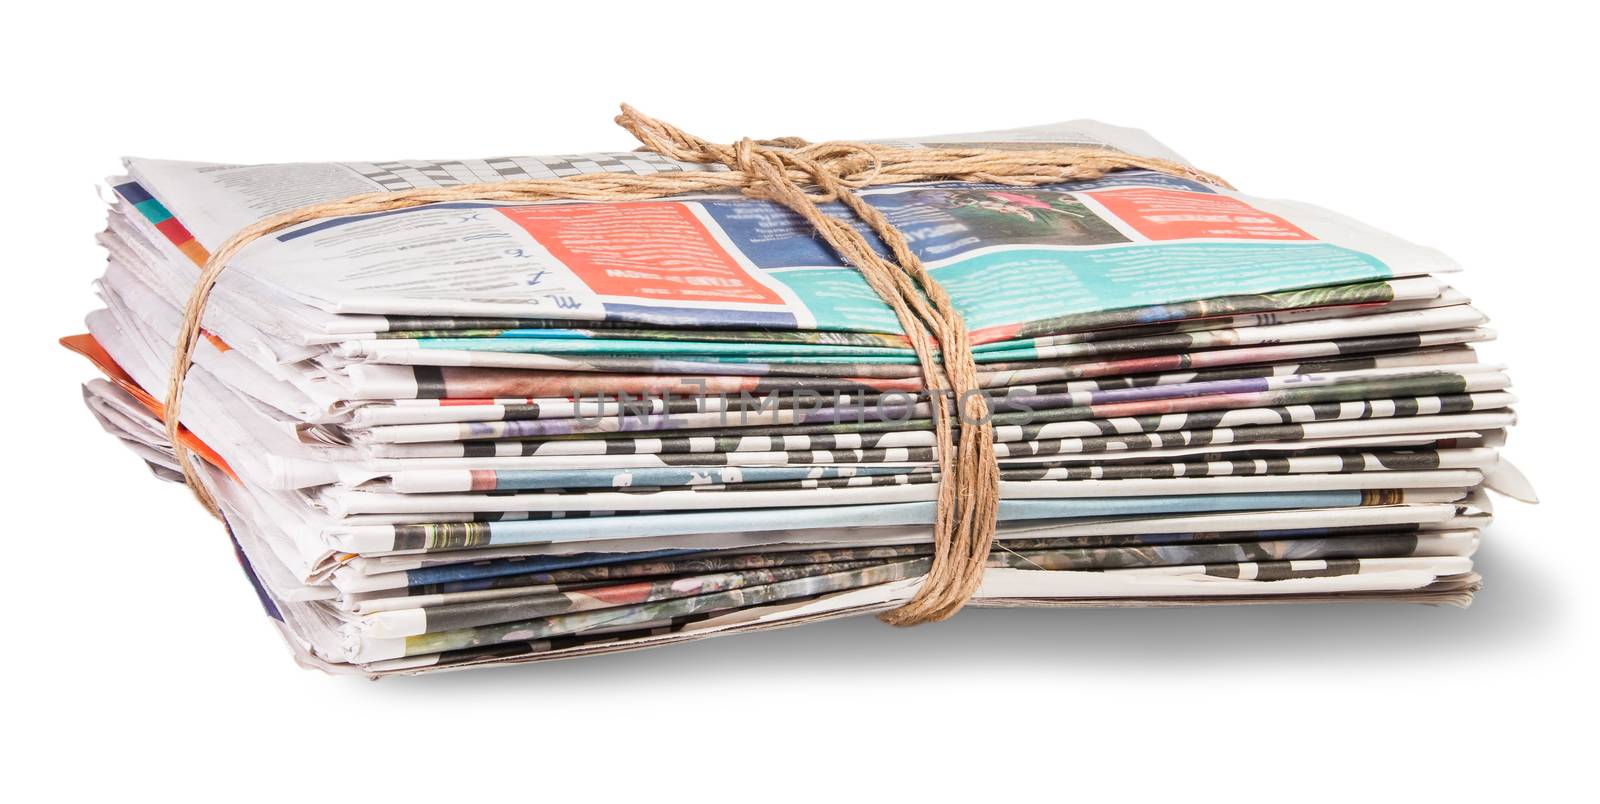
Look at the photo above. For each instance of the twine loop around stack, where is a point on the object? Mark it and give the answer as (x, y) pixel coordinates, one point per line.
(802, 177)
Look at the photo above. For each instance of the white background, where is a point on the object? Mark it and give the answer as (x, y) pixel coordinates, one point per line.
(138, 657)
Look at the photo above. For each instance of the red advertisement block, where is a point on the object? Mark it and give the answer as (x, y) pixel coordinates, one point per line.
(1179, 215)
(647, 250)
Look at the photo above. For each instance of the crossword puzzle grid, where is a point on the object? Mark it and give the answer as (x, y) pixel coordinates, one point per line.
(415, 173)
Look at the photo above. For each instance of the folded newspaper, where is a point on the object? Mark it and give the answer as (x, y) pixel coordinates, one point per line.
(479, 432)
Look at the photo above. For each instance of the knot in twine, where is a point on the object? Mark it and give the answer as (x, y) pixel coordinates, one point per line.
(801, 176)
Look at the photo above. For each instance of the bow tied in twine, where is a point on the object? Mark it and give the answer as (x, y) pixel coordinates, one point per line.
(801, 176)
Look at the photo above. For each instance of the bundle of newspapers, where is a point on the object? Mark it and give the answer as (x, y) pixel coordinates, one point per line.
(479, 432)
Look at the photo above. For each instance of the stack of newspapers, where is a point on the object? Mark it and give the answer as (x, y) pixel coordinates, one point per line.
(485, 432)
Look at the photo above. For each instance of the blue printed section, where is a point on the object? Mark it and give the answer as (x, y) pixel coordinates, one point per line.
(840, 299)
(153, 211)
(132, 192)
(465, 574)
(772, 236)
(941, 221)
(913, 513)
(703, 316)
(1006, 286)
(141, 200)
(1025, 284)
(255, 581)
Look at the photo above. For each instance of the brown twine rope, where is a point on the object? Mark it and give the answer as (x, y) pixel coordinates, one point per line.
(801, 176)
